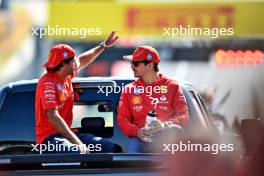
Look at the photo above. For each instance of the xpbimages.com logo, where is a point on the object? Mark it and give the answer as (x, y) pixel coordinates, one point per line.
(148, 90)
(58, 148)
(66, 31)
(196, 31)
(192, 147)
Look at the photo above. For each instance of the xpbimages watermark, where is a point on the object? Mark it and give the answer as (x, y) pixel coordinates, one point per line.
(58, 147)
(191, 147)
(57, 30)
(197, 31)
(148, 90)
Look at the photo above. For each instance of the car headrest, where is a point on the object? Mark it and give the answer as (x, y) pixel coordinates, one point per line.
(91, 122)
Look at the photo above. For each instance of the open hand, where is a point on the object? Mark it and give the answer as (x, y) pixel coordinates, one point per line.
(111, 39)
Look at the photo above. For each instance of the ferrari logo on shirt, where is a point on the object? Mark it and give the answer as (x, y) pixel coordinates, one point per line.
(136, 100)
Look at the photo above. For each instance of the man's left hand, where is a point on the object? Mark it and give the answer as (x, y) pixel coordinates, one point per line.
(155, 126)
(111, 39)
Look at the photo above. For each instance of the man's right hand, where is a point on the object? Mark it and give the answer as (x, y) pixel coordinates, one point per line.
(144, 133)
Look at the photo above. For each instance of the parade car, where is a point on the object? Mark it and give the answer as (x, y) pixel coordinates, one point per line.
(95, 112)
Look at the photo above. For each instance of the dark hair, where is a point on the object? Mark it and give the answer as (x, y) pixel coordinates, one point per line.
(156, 68)
(57, 68)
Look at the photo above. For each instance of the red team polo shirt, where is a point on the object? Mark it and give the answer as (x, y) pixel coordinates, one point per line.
(135, 105)
(53, 92)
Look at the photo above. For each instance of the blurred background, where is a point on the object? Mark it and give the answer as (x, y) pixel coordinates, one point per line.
(228, 70)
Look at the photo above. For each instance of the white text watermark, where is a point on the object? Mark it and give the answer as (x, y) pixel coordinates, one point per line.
(56, 30)
(59, 147)
(191, 147)
(148, 90)
(197, 31)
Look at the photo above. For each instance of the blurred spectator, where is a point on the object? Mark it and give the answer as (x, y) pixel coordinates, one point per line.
(252, 131)
(235, 163)
(213, 104)
(4, 4)
(7, 17)
(203, 163)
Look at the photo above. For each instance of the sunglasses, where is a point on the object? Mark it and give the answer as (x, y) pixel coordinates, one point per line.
(136, 63)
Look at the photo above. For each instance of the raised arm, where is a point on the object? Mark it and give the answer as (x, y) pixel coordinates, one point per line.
(89, 56)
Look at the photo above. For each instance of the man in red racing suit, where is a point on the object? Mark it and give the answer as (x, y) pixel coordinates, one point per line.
(152, 91)
(55, 98)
